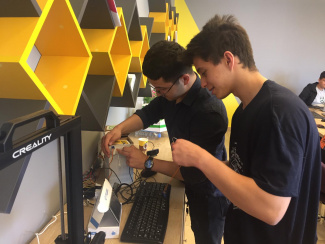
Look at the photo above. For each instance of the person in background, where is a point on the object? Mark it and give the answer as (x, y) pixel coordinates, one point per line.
(191, 113)
(273, 174)
(314, 93)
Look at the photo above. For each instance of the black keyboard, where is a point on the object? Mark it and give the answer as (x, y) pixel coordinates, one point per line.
(147, 221)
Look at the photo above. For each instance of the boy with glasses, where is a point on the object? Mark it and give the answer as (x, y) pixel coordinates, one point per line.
(191, 113)
(163, 91)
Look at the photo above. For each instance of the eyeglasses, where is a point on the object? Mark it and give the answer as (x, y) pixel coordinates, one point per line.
(160, 90)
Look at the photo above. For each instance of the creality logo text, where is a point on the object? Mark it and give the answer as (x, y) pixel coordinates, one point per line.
(31, 146)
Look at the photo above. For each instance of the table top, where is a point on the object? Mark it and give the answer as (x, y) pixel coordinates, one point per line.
(319, 111)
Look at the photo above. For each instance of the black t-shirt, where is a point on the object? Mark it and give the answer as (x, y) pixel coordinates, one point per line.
(200, 118)
(274, 140)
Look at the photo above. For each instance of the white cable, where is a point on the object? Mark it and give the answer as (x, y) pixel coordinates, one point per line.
(45, 228)
(118, 158)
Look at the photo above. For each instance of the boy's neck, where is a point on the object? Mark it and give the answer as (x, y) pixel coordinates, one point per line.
(249, 84)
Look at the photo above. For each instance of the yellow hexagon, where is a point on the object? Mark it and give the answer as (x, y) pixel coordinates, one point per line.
(161, 22)
(111, 53)
(44, 57)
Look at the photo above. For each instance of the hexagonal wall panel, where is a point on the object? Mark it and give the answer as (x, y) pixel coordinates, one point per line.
(44, 58)
(18, 8)
(137, 52)
(161, 21)
(145, 48)
(111, 53)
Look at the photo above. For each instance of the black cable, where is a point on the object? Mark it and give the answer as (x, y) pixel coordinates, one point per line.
(153, 145)
(119, 190)
(89, 193)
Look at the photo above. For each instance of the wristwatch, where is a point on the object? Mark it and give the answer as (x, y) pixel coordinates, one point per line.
(148, 164)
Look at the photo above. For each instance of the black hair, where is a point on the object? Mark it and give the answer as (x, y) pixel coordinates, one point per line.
(164, 60)
(322, 75)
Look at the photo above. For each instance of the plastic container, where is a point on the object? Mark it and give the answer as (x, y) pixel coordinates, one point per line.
(147, 134)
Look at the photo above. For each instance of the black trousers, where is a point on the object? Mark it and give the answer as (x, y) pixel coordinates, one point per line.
(208, 209)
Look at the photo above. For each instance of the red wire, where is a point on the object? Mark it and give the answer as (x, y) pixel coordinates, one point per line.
(165, 189)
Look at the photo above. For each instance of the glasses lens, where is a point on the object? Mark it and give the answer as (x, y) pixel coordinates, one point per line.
(164, 91)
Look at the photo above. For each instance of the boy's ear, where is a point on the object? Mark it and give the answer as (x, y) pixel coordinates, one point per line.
(185, 79)
(230, 59)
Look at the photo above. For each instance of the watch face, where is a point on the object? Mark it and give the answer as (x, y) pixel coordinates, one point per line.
(149, 163)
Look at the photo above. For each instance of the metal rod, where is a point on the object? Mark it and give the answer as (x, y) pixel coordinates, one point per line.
(61, 159)
(73, 164)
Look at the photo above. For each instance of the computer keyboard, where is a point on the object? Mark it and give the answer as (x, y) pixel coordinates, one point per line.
(147, 221)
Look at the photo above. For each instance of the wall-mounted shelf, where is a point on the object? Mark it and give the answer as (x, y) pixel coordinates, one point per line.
(108, 71)
(96, 16)
(173, 14)
(62, 62)
(145, 92)
(172, 27)
(145, 48)
(160, 28)
(160, 23)
(130, 94)
(139, 50)
(163, 21)
(157, 5)
(111, 53)
(136, 62)
(79, 7)
(135, 34)
(94, 102)
(148, 22)
(18, 8)
(170, 8)
(131, 15)
(155, 37)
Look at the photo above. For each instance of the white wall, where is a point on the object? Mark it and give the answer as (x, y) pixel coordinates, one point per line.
(143, 8)
(287, 36)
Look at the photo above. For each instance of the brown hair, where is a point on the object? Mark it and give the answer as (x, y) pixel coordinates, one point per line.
(221, 34)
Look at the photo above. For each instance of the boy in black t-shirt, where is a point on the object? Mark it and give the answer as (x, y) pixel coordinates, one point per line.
(274, 163)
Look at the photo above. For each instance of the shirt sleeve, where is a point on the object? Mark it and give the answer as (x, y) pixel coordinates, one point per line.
(277, 159)
(306, 95)
(151, 113)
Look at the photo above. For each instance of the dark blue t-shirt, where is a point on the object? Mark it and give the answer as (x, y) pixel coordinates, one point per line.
(275, 141)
